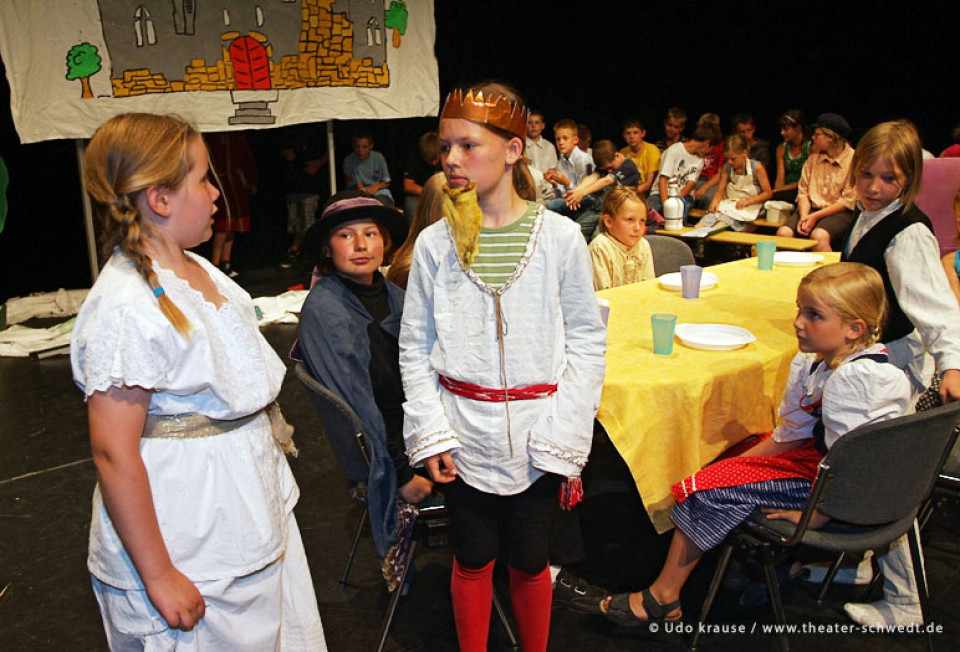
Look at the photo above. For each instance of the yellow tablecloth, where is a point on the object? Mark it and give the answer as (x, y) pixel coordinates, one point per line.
(668, 416)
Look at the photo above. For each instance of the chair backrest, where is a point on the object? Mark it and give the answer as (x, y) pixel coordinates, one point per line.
(881, 472)
(669, 254)
(342, 425)
(938, 187)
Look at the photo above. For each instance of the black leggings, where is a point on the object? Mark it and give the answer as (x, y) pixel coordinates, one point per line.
(515, 528)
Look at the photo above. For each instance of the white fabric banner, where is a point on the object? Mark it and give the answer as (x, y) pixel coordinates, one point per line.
(230, 64)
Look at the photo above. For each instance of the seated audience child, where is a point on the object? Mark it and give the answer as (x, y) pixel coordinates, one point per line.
(573, 166)
(825, 196)
(540, 151)
(421, 165)
(744, 125)
(429, 210)
(619, 252)
(586, 138)
(951, 262)
(613, 168)
(644, 155)
(792, 153)
(744, 184)
(365, 169)
(710, 174)
(348, 339)
(683, 162)
(673, 126)
(894, 237)
(839, 381)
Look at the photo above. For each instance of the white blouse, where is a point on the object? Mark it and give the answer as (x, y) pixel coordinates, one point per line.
(855, 393)
(223, 501)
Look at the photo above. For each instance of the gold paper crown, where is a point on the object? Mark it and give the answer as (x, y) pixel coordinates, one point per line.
(502, 113)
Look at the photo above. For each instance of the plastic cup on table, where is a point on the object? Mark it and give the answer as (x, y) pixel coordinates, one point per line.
(690, 280)
(765, 251)
(663, 324)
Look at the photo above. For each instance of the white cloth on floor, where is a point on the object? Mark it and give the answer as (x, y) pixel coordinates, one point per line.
(19, 341)
(281, 309)
(61, 303)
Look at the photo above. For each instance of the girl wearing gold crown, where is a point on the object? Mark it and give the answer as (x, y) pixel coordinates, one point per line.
(502, 356)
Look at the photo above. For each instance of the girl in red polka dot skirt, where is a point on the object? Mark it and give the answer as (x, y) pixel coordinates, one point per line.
(839, 381)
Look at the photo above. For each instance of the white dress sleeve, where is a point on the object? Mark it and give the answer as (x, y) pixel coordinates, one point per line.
(119, 340)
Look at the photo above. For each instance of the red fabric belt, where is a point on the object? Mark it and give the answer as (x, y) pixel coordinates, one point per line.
(493, 395)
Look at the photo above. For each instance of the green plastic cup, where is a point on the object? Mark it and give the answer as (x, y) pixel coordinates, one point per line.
(663, 324)
(765, 251)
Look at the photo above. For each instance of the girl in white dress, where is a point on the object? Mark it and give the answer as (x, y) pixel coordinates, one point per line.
(193, 542)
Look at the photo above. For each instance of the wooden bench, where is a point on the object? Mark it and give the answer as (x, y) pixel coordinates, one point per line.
(751, 239)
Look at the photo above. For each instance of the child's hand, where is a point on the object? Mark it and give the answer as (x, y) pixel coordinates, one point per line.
(416, 490)
(817, 520)
(950, 386)
(573, 198)
(441, 468)
(742, 203)
(806, 224)
(177, 599)
(714, 204)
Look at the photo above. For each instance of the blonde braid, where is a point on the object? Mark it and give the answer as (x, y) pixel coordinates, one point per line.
(124, 212)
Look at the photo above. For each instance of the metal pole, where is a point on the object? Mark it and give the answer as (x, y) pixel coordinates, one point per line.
(331, 153)
(88, 218)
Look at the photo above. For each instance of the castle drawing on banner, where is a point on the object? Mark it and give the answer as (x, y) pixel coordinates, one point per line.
(252, 49)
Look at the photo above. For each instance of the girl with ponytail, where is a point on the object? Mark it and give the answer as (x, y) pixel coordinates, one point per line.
(192, 513)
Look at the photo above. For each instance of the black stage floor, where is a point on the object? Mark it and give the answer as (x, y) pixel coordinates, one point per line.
(46, 480)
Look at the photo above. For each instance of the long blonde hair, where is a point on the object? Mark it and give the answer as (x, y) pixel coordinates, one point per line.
(854, 291)
(127, 154)
(429, 210)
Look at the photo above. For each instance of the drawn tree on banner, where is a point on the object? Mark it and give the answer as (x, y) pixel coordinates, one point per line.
(83, 62)
(397, 20)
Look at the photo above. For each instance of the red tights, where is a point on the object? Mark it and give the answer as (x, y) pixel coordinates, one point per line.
(472, 592)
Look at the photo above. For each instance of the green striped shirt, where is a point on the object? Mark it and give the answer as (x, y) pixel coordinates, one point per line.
(502, 248)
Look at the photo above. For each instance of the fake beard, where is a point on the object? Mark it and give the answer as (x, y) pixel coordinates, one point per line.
(462, 210)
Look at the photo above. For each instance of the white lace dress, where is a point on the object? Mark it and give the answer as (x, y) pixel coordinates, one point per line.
(223, 502)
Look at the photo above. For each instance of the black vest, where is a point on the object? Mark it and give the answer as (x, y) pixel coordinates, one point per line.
(870, 250)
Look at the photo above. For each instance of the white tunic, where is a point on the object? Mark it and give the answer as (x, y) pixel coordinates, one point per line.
(223, 501)
(554, 335)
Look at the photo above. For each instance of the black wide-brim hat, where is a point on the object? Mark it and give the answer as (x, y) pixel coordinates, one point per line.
(835, 123)
(352, 205)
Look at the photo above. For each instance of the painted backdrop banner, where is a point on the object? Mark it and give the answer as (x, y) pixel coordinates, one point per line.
(229, 64)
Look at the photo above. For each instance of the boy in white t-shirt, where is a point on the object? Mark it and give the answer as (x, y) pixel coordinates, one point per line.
(683, 162)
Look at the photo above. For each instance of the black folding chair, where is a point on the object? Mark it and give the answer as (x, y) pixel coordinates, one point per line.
(871, 484)
(350, 445)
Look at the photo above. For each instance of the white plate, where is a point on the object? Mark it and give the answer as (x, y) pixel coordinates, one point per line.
(714, 337)
(796, 259)
(672, 281)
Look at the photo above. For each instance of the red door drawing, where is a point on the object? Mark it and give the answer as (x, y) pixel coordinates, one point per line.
(251, 66)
